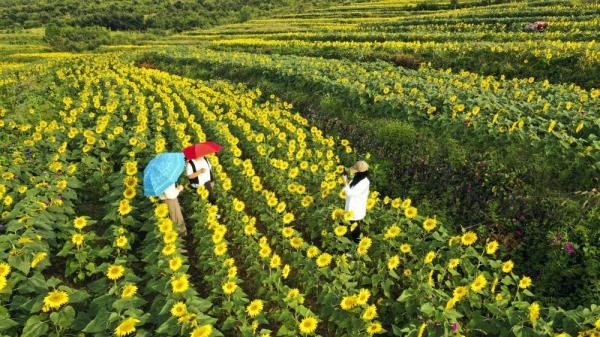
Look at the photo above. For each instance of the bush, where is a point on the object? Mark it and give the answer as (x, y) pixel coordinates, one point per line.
(76, 39)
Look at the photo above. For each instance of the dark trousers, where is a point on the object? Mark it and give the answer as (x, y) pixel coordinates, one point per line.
(211, 194)
(355, 234)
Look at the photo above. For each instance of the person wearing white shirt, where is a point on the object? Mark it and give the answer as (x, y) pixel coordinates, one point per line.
(198, 172)
(357, 194)
(169, 195)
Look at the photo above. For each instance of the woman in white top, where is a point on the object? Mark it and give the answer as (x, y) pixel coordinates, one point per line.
(357, 194)
(170, 197)
(198, 172)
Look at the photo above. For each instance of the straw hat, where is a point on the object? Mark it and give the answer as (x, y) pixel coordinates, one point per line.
(359, 166)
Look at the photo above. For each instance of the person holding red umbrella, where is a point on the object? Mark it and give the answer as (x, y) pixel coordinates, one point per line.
(198, 167)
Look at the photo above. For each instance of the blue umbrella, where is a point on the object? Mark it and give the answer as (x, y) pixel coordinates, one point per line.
(162, 171)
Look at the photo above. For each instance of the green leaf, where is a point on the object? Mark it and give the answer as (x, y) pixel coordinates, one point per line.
(427, 309)
(63, 318)
(199, 304)
(6, 323)
(34, 327)
(169, 325)
(98, 324)
(229, 323)
(405, 296)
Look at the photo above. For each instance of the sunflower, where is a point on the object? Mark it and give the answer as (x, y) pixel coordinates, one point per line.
(129, 193)
(534, 312)
(287, 218)
(249, 229)
(393, 262)
(525, 282)
(369, 313)
(265, 251)
(312, 251)
(429, 257)
(39, 257)
(169, 249)
(323, 260)
(3, 282)
(468, 238)
(220, 249)
(341, 230)
(129, 291)
(79, 222)
(363, 296)
(130, 182)
(175, 263)
(410, 212)
(451, 303)
(161, 211)
(238, 205)
(124, 207)
(293, 293)
(121, 241)
(126, 327)
(254, 308)
(179, 284)
(4, 269)
(396, 203)
(492, 247)
(507, 266)
(296, 242)
(348, 302)
(307, 201)
(179, 309)
(392, 232)
(232, 272)
(337, 214)
(308, 325)
(55, 299)
(479, 283)
(285, 271)
(374, 328)
(453, 263)
(287, 232)
(77, 239)
(115, 272)
(165, 225)
(429, 224)
(365, 242)
(460, 292)
(170, 237)
(275, 261)
(405, 248)
(229, 288)
(202, 331)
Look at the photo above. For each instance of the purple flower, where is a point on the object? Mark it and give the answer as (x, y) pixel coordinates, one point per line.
(454, 326)
(28, 152)
(583, 113)
(570, 249)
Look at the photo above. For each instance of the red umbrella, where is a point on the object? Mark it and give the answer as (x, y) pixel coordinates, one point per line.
(199, 150)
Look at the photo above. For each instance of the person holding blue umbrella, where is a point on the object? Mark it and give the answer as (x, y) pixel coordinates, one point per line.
(160, 179)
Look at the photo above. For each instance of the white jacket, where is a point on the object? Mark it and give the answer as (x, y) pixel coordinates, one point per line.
(356, 199)
(170, 193)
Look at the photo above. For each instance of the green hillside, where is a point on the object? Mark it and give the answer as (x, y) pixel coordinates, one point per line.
(143, 14)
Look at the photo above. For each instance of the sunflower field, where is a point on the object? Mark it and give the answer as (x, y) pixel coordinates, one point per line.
(84, 253)
(275, 263)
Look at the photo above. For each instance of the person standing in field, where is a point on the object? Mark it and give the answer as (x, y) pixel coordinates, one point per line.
(169, 195)
(357, 194)
(199, 173)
